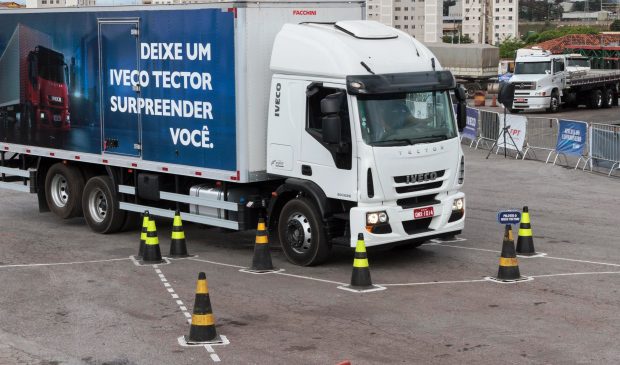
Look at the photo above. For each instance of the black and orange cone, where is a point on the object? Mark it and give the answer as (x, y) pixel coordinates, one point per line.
(152, 253)
(525, 241)
(360, 278)
(261, 262)
(145, 226)
(178, 246)
(202, 329)
(508, 263)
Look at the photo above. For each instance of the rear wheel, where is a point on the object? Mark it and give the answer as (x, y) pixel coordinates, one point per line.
(301, 233)
(63, 190)
(596, 99)
(100, 206)
(608, 98)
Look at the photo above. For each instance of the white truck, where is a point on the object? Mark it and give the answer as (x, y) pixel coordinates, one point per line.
(329, 124)
(546, 81)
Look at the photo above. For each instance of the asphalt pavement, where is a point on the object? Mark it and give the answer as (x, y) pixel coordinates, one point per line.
(70, 296)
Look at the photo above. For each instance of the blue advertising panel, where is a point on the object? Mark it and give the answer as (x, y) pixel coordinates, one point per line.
(157, 85)
(471, 128)
(572, 137)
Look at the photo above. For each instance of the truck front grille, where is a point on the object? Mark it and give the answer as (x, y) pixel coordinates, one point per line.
(525, 86)
(418, 187)
(417, 201)
(417, 226)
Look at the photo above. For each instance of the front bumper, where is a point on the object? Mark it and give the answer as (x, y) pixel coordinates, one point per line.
(403, 226)
(531, 102)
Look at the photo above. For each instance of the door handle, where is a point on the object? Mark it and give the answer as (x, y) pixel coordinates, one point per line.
(306, 170)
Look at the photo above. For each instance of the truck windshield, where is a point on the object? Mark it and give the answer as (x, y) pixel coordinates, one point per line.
(578, 62)
(406, 118)
(532, 68)
(52, 69)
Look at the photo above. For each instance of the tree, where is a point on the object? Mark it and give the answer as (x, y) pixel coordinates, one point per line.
(455, 39)
(509, 46)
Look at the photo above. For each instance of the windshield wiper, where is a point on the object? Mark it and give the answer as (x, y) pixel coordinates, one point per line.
(393, 142)
(430, 139)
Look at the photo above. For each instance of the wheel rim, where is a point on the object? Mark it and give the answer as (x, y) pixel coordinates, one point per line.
(554, 104)
(599, 100)
(97, 205)
(59, 190)
(610, 99)
(299, 233)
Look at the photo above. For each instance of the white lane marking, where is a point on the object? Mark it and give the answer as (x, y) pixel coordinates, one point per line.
(179, 302)
(310, 278)
(189, 320)
(164, 280)
(159, 272)
(209, 348)
(175, 296)
(167, 285)
(183, 308)
(161, 275)
(215, 358)
(373, 289)
(63, 263)
(583, 261)
(577, 273)
(436, 282)
(217, 263)
(187, 315)
(170, 290)
(546, 257)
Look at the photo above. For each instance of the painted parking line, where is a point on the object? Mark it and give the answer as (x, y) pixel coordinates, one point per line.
(62, 263)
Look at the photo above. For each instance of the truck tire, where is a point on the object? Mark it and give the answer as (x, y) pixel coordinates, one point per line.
(596, 99)
(64, 185)
(302, 234)
(100, 206)
(608, 98)
(554, 103)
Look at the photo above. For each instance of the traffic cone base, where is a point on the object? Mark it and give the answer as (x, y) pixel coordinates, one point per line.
(178, 245)
(520, 279)
(261, 261)
(525, 242)
(360, 277)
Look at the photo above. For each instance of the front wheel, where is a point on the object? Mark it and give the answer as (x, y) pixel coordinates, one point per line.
(554, 103)
(302, 234)
(100, 206)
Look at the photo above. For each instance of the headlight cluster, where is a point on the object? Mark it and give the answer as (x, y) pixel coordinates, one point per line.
(376, 218)
(458, 204)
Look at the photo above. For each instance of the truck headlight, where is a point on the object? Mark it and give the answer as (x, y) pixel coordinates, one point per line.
(458, 204)
(376, 218)
(42, 115)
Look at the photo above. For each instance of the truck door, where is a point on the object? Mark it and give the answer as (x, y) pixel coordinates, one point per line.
(120, 116)
(332, 166)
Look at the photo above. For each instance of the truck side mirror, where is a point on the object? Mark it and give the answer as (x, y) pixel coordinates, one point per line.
(330, 108)
(461, 107)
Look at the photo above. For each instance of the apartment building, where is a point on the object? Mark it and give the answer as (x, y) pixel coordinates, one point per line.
(423, 19)
(490, 21)
(59, 3)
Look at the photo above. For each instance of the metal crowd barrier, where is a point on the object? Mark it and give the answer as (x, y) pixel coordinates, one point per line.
(488, 127)
(542, 134)
(604, 146)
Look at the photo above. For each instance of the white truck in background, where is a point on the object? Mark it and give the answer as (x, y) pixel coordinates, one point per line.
(546, 81)
(336, 126)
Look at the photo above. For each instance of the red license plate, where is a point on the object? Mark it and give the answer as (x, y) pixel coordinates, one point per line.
(520, 100)
(425, 212)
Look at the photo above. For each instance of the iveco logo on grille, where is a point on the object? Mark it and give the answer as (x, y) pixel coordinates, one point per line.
(417, 178)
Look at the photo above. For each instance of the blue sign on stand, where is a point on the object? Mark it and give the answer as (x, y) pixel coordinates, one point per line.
(509, 217)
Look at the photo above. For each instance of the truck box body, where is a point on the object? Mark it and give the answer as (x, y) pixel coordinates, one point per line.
(170, 89)
(14, 63)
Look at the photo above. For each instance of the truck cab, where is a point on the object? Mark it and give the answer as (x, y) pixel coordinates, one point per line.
(539, 78)
(361, 116)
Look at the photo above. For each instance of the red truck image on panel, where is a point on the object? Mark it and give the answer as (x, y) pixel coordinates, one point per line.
(34, 78)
